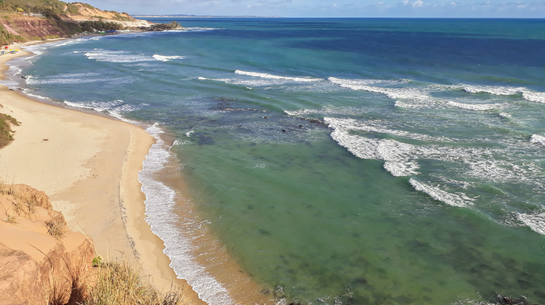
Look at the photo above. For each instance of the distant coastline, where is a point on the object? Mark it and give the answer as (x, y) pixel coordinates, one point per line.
(197, 16)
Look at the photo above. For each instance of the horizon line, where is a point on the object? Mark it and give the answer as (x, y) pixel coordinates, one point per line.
(328, 17)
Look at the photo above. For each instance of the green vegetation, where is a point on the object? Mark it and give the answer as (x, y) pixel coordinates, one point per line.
(121, 17)
(7, 38)
(89, 26)
(67, 27)
(38, 6)
(164, 27)
(97, 261)
(6, 133)
(111, 284)
(121, 284)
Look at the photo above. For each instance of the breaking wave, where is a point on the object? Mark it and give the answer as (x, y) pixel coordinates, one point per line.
(166, 58)
(271, 76)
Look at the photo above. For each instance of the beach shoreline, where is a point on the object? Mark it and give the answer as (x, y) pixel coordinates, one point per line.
(88, 165)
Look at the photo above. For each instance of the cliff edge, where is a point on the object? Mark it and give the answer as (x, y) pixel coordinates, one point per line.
(45, 19)
(41, 262)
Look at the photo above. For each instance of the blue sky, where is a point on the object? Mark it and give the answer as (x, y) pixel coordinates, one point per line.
(332, 8)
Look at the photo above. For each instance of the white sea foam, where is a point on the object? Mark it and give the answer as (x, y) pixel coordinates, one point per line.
(38, 49)
(160, 206)
(378, 127)
(396, 154)
(195, 29)
(475, 162)
(527, 94)
(494, 164)
(27, 92)
(535, 221)
(271, 76)
(495, 90)
(116, 108)
(537, 97)
(505, 115)
(356, 83)
(393, 93)
(401, 104)
(179, 142)
(166, 58)
(477, 106)
(15, 70)
(10, 84)
(537, 139)
(458, 200)
(117, 56)
(250, 83)
(326, 110)
(76, 78)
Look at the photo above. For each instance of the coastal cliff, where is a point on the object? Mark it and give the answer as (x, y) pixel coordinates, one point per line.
(41, 19)
(88, 166)
(41, 262)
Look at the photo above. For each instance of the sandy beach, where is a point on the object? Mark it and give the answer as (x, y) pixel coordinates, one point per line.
(88, 165)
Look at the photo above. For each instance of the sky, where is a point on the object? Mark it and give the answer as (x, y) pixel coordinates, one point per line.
(332, 8)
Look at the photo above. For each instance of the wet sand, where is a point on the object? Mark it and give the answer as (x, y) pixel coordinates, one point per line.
(88, 165)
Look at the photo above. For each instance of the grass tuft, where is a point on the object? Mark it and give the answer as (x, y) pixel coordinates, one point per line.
(56, 227)
(10, 219)
(121, 284)
(6, 133)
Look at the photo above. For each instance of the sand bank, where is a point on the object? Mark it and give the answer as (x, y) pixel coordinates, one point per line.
(88, 165)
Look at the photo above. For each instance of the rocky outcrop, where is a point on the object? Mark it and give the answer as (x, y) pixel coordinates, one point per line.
(18, 284)
(36, 266)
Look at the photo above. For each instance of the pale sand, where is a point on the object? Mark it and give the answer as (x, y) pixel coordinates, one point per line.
(30, 235)
(88, 165)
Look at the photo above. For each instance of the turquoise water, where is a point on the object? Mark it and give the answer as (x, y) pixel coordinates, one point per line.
(339, 161)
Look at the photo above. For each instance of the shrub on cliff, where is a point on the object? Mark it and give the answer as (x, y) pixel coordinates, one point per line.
(165, 26)
(89, 26)
(36, 6)
(121, 284)
(7, 38)
(6, 133)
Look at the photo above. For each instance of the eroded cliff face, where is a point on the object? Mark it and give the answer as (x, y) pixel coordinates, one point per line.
(31, 28)
(40, 261)
(22, 26)
(90, 13)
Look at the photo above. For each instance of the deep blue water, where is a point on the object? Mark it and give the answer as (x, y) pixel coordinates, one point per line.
(339, 161)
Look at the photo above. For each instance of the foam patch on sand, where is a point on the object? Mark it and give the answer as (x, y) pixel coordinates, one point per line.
(116, 108)
(159, 208)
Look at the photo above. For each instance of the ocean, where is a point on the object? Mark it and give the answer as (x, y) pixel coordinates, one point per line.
(332, 161)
